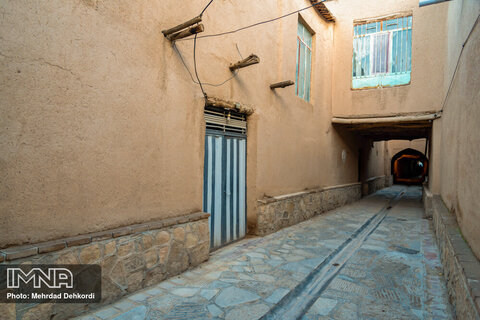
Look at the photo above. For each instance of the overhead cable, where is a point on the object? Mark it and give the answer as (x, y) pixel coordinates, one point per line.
(253, 25)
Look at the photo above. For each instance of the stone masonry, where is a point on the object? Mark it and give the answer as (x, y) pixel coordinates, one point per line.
(276, 213)
(461, 267)
(131, 258)
(374, 184)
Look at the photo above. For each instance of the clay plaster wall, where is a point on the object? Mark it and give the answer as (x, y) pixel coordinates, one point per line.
(427, 86)
(435, 160)
(395, 146)
(101, 125)
(371, 160)
(458, 157)
(374, 160)
(87, 133)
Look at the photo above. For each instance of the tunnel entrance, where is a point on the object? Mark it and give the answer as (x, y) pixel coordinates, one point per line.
(409, 166)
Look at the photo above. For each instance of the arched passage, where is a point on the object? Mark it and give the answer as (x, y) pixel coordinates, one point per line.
(409, 166)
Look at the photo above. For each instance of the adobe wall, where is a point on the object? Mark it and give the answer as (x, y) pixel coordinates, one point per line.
(102, 126)
(395, 146)
(427, 86)
(459, 167)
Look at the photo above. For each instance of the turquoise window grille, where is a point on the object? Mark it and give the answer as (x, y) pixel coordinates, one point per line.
(382, 53)
(304, 61)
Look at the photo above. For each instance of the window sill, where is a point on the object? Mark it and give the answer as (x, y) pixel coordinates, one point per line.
(424, 3)
(381, 81)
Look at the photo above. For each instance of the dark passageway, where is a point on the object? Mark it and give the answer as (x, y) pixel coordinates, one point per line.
(409, 166)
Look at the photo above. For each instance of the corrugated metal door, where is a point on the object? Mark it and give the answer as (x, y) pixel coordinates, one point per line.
(225, 176)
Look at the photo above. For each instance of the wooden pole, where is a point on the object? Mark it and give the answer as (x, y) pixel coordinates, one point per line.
(282, 84)
(248, 61)
(182, 26)
(185, 33)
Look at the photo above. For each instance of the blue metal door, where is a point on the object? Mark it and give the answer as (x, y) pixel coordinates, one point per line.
(224, 185)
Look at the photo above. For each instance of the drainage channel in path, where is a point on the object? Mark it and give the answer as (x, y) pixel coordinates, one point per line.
(299, 300)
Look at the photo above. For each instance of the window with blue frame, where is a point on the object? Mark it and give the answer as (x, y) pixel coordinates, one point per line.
(382, 53)
(304, 61)
(428, 2)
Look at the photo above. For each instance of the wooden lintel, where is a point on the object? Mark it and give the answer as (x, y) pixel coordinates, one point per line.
(322, 10)
(392, 119)
(230, 105)
(248, 61)
(185, 33)
(282, 84)
(182, 26)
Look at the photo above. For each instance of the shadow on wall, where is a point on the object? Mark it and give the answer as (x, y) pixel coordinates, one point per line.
(409, 166)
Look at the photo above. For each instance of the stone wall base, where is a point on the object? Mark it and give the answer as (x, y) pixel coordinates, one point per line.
(388, 181)
(461, 267)
(129, 262)
(279, 212)
(427, 199)
(374, 184)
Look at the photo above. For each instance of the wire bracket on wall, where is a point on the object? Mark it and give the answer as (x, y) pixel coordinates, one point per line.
(185, 29)
(248, 61)
(282, 84)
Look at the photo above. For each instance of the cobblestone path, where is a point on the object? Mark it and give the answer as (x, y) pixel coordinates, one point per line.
(373, 259)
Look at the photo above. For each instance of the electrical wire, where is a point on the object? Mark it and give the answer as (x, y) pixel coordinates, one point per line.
(221, 34)
(253, 25)
(195, 56)
(195, 66)
(206, 7)
(238, 50)
(458, 63)
(206, 83)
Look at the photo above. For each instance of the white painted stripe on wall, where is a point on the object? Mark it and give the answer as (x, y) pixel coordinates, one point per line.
(235, 188)
(217, 240)
(241, 192)
(228, 193)
(209, 179)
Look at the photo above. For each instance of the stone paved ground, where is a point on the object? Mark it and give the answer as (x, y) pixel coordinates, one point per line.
(393, 273)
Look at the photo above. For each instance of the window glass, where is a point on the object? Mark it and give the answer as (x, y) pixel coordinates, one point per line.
(304, 61)
(428, 2)
(382, 53)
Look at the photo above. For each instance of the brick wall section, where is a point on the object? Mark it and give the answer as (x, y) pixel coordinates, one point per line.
(131, 258)
(276, 213)
(461, 267)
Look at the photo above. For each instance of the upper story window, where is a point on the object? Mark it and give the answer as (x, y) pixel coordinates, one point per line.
(382, 53)
(304, 61)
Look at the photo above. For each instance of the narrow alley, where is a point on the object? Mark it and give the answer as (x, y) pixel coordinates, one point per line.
(275, 159)
(373, 259)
